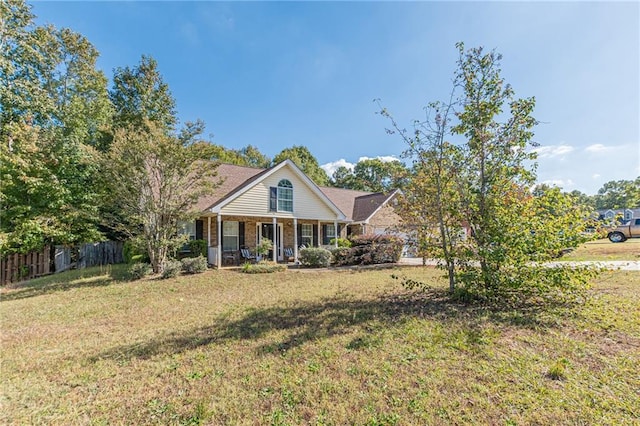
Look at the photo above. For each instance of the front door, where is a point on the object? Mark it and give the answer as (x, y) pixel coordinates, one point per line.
(266, 231)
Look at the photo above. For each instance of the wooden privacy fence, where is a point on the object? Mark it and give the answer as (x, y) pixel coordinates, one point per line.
(103, 253)
(21, 267)
(88, 254)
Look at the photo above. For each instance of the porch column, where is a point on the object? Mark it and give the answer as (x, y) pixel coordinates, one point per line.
(208, 237)
(219, 237)
(335, 228)
(275, 240)
(319, 234)
(295, 239)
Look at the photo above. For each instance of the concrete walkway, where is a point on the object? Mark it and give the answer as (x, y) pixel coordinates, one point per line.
(623, 265)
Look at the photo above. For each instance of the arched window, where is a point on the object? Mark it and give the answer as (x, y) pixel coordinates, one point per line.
(285, 196)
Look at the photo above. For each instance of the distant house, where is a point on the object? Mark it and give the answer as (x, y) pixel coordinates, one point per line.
(282, 204)
(624, 214)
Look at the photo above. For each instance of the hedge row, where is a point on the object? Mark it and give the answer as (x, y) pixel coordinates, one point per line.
(368, 250)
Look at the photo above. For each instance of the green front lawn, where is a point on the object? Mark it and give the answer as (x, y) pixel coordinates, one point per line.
(604, 250)
(330, 347)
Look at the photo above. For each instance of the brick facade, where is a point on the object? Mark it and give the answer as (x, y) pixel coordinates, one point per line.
(384, 220)
(251, 229)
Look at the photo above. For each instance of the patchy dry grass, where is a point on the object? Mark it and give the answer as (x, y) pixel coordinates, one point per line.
(606, 250)
(330, 347)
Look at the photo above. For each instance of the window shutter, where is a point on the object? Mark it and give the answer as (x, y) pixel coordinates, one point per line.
(299, 235)
(199, 230)
(325, 237)
(273, 199)
(338, 232)
(222, 232)
(241, 234)
(315, 235)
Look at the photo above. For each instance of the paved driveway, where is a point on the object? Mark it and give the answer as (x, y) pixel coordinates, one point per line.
(623, 265)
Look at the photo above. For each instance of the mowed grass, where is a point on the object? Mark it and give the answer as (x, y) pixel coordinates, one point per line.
(604, 250)
(320, 347)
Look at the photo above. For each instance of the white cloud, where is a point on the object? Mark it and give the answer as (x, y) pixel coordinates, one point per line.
(334, 165)
(559, 183)
(383, 158)
(598, 147)
(553, 150)
(595, 176)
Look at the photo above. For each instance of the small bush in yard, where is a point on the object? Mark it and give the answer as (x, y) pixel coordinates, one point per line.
(343, 256)
(315, 257)
(262, 268)
(134, 251)
(197, 248)
(194, 265)
(171, 269)
(370, 249)
(139, 270)
(342, 242)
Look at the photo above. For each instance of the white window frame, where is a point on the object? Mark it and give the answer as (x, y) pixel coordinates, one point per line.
(306, 235)
(187, 228)
(281, 200)
(230, 229)
(330, 236)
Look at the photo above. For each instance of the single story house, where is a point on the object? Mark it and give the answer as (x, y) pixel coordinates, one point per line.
(282, 204)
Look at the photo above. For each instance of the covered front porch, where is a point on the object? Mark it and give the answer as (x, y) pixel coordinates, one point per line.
(229, 237)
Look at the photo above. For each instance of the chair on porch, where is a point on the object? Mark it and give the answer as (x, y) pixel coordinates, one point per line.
(288, 254)
(247, 255)
(229, 258)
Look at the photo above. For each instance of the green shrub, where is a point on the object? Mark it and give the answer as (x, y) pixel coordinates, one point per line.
(139, 270)
(134, 251)
(262, 268)
(342, 242)
(197, 248)
(315, 257)
(264, 247)
(171, 269)
(194, 265)
(343, 256)
(370, 249)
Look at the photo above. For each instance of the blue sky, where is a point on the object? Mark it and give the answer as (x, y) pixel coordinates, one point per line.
(277, 74)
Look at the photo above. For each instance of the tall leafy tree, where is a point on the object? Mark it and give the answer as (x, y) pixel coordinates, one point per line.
(50, 78)
(54, 110)
(376, 175)
(139, 96)
(154, 180)
(428, 204)
(372, 175)
(303, 158)
(249, 156)
(619, 194)
(493, 185)
(344, 178)
(484, 182)
(47, 192)
(253, 157)
(583, 199)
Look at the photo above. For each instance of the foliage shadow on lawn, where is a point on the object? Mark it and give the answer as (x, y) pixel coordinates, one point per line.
(84, 278)
(330, 317)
